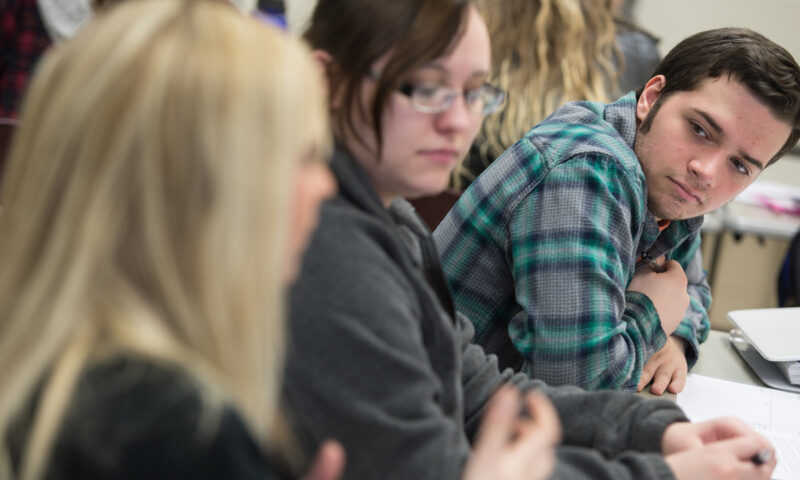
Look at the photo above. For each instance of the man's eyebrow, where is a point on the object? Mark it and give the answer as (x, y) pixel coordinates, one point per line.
(752, 160)
(719, 131)
(708, 118)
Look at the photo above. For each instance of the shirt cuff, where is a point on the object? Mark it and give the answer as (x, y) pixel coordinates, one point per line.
(641, 309)
(686, 331)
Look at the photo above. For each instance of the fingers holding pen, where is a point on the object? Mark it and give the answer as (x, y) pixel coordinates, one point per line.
(736, 458)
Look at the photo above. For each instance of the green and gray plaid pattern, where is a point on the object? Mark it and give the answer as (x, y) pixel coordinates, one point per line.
(539, 251)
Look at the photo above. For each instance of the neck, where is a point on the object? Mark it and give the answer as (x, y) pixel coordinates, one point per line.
(385, 197)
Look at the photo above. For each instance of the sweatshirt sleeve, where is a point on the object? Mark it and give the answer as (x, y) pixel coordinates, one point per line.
(357, 368)
(607, 420)
(577, 463)
(360, 370)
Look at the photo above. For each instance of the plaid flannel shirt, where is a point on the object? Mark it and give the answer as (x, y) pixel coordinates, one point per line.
(541, 247)
(23, 39)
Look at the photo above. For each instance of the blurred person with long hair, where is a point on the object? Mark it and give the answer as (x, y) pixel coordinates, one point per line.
(546, 53)
(159, 194)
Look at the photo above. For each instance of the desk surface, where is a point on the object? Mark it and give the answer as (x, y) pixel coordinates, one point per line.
(718, 359)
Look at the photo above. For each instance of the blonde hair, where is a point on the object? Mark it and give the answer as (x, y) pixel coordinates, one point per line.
(145, 209)
(545, 53)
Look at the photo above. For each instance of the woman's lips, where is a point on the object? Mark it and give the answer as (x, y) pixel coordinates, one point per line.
(442, 156)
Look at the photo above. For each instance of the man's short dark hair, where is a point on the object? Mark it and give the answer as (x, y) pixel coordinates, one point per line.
(765, 68)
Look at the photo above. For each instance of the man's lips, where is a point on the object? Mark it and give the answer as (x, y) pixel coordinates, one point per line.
(686, 191)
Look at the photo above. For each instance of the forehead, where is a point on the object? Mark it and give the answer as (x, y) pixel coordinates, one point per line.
(472, 51)
(746, 123)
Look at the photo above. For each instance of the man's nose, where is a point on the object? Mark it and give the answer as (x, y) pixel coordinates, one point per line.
(705, 168)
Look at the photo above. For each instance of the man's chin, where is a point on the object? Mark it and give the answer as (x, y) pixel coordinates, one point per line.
(678, 215)
(674, 211)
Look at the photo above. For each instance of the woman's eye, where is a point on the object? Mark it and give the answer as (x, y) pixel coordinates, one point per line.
(428, 91)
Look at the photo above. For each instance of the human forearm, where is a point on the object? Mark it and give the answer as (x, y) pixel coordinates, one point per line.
(607, 420)
(613, 422)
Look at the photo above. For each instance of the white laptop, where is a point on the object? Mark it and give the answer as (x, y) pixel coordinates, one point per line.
(774, 332)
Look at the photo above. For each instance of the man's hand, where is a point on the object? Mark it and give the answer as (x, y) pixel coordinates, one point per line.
(667, 291)
(682, 436)
(667, 368)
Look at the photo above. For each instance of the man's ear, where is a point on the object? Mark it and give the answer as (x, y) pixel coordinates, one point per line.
(328, 66)
(650, 93)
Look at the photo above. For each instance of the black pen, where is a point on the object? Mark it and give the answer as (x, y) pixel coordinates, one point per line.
(762, 456)
(654, 266)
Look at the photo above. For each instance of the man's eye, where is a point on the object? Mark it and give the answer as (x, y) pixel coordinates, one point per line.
(740, 166)
(697, 129)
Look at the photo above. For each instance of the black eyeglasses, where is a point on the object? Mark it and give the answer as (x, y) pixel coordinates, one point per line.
(433, 99)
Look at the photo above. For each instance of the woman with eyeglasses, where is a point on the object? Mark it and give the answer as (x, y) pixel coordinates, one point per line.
(378, 357)
(406, 103)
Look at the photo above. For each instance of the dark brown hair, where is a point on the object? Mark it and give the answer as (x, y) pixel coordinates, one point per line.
(358, 32)
(767, 69)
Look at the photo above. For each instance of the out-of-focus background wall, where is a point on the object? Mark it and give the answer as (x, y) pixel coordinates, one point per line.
(674, 20)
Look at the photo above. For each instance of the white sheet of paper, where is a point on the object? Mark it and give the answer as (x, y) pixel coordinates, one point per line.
(774, 413)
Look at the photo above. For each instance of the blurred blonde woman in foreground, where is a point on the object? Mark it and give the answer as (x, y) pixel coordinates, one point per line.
(164, 154)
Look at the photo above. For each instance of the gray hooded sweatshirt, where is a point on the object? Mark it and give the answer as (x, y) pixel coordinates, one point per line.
(379, 360)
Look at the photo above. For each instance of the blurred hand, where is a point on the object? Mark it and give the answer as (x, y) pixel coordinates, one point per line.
(329, 463)
(726, 459)
(682, 436)
(510, 447)
(667, 368)
(667, 291)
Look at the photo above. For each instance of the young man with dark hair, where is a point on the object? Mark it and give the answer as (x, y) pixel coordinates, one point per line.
(576, 254)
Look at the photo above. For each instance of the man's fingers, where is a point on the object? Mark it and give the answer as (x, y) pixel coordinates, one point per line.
(660, 380)
(647, 373)
(678, 380)
(669, 265)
